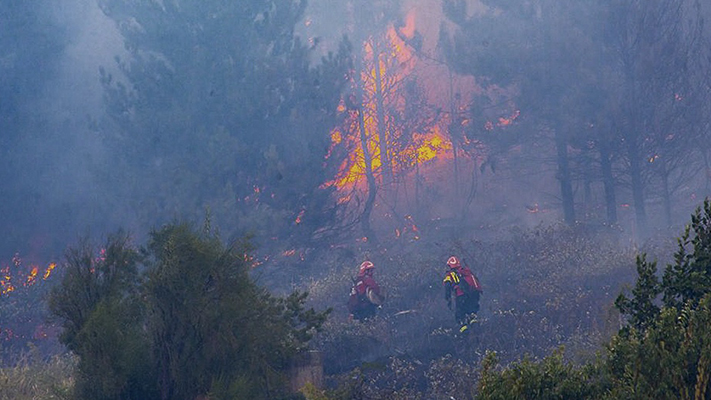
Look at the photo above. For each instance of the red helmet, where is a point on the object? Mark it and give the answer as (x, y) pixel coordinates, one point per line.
(365, 266)
(453, 262)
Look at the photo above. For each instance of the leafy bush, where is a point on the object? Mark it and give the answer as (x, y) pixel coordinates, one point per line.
(551, 378)
(664, 351)
(178, 319)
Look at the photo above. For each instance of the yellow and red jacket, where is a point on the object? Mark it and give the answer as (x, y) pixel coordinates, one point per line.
(453, 282)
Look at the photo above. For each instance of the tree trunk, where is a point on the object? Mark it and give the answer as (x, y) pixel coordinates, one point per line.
(637, 187)
(386, 168)
(566, 186)
(608, 181)
(368, 163)
(453, 134)
(665, 192)
(372, 187)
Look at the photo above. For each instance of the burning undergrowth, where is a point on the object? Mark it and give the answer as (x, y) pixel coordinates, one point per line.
(23, 313)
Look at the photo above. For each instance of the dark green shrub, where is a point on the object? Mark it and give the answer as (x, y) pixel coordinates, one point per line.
(191, 323)
(551, 378)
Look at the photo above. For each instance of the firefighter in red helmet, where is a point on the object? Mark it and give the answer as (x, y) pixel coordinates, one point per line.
(365, 297)
(461, 284)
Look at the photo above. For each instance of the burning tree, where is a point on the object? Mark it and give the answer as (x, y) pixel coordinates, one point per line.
(391, 128)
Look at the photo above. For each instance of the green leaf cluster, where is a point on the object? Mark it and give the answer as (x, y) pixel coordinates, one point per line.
(177, 319)
(551, 378)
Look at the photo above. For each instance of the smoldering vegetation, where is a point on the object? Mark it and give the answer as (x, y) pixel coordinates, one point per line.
(544, 288)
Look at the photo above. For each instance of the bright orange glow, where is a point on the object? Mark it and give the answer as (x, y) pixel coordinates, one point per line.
(394, 61)
(433, 145)
(336, 137)
(32, 276)
(27, 278)
(405, 104)
(49, 270)
(6, 285)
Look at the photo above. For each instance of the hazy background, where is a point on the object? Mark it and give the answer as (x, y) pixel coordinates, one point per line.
(67, 172)
(547, 143)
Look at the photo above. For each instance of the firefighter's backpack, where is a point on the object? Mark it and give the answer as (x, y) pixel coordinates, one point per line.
(468, 282)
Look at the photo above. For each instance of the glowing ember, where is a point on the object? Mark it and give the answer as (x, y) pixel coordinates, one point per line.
(299, 217)
(31, 277)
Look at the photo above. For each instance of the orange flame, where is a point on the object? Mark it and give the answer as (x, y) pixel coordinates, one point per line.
(28, 279)
(394, 62)
(32, 277)
(49, 270)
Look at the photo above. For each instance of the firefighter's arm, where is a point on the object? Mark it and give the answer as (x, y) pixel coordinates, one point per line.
(448, 290)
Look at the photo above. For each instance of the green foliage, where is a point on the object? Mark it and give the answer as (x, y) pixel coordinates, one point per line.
(665, 351)
(551, 378)
(91, 277)
(685, 281)
(208, 319)
(311, 392)
(688, 279)
(193, 323)
(98, 305)
(671, 360)
(642, 307)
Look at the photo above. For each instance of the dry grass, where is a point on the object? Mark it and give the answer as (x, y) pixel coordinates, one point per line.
(35, 379)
